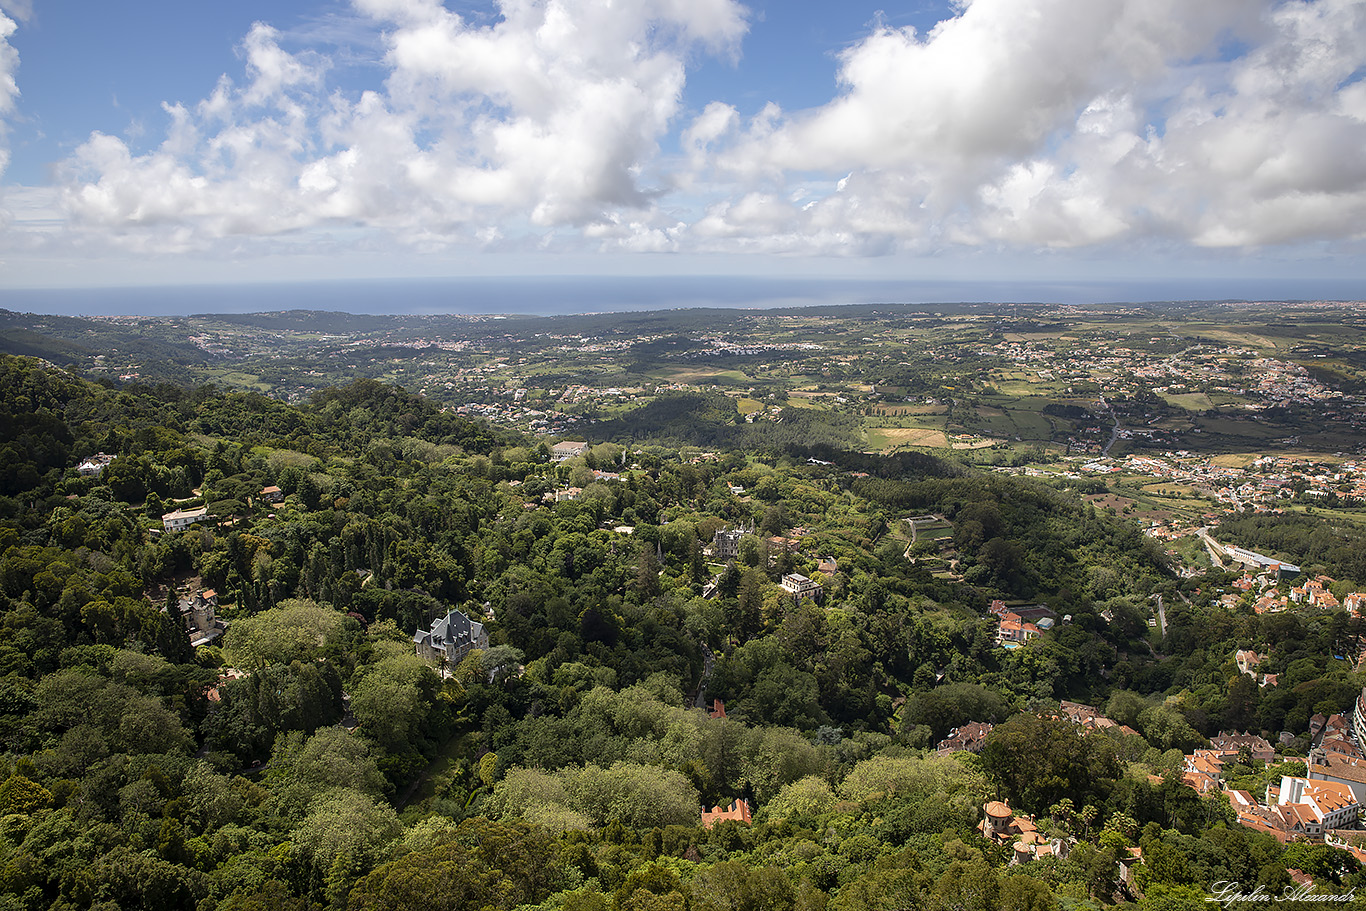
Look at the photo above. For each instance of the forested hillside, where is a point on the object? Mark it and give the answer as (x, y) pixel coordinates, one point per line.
(308, 758)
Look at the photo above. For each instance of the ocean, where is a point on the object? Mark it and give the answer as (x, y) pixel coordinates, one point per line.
(559, 295)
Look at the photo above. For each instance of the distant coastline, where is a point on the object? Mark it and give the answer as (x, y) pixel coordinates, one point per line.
(565, 295)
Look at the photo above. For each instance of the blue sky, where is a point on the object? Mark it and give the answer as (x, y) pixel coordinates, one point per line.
(993, 140)
(173, 51)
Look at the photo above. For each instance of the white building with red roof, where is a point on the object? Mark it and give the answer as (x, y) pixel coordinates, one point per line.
(1313, 806)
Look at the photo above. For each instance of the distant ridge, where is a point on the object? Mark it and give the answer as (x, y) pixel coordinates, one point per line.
(565, 295)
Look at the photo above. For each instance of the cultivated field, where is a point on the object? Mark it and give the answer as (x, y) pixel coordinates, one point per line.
(888, 438)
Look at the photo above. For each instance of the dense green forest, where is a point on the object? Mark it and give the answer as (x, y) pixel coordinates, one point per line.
(564, 768)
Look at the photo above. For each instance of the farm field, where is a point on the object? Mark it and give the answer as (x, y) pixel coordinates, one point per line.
(885, 439)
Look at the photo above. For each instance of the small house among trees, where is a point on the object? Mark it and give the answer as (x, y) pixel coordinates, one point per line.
(184, 518)
(450, 639)
(967, 739)
(725, 544)
(200, 611)
(738, 810)
(94, 466)
(800, 586)
(568, 449)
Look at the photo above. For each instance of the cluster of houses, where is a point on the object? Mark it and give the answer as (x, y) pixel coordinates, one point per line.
(1315, 593)
(1323, 805)
(1203, 770)
(1297, 808)
(1260, 484)
(1317, 806)
(1269, 597)
(515, 413)
(1089, 719)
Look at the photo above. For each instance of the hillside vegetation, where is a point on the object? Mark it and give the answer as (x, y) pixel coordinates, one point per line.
(308, 758)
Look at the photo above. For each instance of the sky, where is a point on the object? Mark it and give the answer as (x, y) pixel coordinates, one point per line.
(166, 142)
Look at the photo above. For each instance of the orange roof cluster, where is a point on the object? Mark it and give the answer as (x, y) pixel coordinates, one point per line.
(1330, 795)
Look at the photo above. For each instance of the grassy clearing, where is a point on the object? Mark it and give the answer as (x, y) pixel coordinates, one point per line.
(1031, 425)
(1191, 401)
(748, 406)
(701, 376)
(1354, 516)
(1017, 389)
(237, 379)
(1110, 501)
(1234, 459)
(1246, 339)
(1029, 336)
(286, 458)
(887, 438)
(1234, 428)
(1168, 488)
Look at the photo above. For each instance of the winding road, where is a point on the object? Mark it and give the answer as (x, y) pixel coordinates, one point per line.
(1114, 434)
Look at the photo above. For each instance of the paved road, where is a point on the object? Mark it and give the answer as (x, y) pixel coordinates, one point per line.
(1114, 434)
(708, 662)
(1216, 551)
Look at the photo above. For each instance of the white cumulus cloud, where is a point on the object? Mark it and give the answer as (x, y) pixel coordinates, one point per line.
(1012, 124)
(552, 116)
(1064, 123)
(9, 87)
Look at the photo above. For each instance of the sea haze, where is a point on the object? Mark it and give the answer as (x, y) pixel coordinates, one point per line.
(558, 295)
